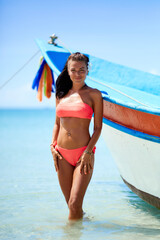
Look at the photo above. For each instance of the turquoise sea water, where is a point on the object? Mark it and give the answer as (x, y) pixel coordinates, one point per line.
(32, 205)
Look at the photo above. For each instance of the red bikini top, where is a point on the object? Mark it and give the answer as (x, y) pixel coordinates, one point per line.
(79, 110)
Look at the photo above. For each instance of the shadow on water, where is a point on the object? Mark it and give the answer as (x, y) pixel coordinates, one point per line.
(140, 204)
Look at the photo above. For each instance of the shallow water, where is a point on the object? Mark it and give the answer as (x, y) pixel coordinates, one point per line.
(32, 205)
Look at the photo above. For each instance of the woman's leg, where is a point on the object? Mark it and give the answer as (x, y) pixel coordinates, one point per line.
(65, 176)
(79, 186)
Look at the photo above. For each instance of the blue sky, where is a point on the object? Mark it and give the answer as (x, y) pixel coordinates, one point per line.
(121, 31)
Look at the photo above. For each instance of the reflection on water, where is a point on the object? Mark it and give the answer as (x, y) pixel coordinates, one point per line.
(73, 230)
(140, 204)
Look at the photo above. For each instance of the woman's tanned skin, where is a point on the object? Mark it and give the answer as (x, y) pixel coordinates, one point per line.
(72, 133)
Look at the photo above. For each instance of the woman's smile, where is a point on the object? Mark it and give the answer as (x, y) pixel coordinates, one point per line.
(77, 71)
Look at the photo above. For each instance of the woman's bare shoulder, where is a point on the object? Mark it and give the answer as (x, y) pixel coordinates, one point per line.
(95, 93)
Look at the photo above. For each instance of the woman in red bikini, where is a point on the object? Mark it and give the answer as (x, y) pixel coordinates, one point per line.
(72, 146)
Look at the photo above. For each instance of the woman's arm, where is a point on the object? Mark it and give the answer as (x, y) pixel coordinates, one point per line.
(56, 127)
(98, 116)
(86, 164)
(55, 133)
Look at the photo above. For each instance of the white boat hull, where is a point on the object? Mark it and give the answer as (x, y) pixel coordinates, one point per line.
(138, 161)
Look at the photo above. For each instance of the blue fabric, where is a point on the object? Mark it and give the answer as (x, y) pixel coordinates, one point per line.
(53, 82)
(37, 78)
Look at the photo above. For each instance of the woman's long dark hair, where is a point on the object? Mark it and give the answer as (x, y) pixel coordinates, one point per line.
(64, 83)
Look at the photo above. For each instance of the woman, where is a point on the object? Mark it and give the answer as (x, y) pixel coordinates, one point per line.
(72, 146)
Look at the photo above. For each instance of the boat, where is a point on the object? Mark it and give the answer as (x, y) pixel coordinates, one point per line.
(131, 118)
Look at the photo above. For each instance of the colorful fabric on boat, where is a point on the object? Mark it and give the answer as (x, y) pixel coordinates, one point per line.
(44, 80)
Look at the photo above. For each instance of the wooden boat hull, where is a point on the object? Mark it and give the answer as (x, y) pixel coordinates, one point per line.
(132, 118)
(136, 153)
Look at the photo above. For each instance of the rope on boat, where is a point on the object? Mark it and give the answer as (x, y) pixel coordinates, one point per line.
(28, 61)
(122, 93)
(65, 46)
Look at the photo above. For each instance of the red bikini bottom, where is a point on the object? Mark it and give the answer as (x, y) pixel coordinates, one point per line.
(72, 155)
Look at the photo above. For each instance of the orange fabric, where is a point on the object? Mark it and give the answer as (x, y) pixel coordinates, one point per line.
(40, 87)
(45, 79)
(48, 82)
(45, 83)
(79, 110)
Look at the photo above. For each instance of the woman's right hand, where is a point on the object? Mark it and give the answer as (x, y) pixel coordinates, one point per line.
(56, 156)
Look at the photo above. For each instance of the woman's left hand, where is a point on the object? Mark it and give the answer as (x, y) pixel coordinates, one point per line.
(86, 163)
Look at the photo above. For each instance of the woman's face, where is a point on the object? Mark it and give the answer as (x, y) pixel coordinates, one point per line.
(77, 71)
